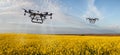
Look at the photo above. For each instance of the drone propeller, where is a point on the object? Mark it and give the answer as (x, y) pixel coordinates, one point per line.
(25, 11)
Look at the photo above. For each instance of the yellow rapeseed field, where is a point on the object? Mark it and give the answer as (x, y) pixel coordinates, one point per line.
(34, 44)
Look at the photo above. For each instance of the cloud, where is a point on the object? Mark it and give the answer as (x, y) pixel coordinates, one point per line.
(46, 29)
(13, 6)
(12, 17)
(92, 10)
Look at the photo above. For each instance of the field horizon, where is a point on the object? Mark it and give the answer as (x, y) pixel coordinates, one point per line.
(65, 34)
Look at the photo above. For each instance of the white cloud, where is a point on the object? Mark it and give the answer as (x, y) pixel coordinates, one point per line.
(14, 21)
(46, 29)
(92, 10)
(13, 6)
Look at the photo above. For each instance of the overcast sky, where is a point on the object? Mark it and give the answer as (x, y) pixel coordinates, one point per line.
(69, 16)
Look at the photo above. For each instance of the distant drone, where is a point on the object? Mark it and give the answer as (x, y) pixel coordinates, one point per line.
(37, 17)
(92, 20)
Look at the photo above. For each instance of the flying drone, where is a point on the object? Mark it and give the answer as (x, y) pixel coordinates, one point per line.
(37, 17)
(92, 20)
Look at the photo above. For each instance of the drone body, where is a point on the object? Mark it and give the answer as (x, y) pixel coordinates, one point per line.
(37, 17)
(92, 20)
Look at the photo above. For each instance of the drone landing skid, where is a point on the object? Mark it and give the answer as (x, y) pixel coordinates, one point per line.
(37, 21)
(92, 22)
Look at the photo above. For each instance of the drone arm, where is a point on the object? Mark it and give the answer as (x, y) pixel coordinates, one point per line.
(23, 8)
(87, 18)
(96, 18)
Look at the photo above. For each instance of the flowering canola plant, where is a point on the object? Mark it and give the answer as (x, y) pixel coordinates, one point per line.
(38, 44)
